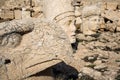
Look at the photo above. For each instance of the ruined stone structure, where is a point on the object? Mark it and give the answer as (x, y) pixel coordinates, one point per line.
(106, 12)
(40, 37)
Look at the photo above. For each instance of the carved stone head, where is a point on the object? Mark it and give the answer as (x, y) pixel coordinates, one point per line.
(91, 19)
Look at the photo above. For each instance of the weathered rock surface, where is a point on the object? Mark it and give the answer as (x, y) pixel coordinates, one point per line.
(99, 56)
(43, 44)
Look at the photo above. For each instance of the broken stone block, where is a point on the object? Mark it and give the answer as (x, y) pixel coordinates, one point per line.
(36, 11)
(112, 5)
(88, 71)
(25, 14)
(98, 62)
(111, 15)
(8, 14)
(18, 14)
(101, 67)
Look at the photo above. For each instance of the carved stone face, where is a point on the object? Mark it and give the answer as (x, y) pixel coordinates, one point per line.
(91, 24)
(62, 12)
(69, 27)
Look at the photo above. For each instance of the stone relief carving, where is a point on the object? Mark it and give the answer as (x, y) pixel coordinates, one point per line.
(63, 14)
(29, 46)
(38, 42)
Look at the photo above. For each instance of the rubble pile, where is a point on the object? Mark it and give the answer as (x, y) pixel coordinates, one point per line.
(98, 46)
(100, 54)
(107, 16)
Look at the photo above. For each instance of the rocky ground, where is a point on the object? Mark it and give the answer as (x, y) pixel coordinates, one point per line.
(99, 55)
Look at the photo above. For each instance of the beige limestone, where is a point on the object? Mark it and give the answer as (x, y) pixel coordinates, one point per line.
(112, 5)
(91, 20)
(43, 45)
(25, 13)
(18, 14)
(62, 12)
(9, 14)
(111, 15)
(37, 10)
(2, 13)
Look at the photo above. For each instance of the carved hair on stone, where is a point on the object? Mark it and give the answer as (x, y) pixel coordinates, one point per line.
(11, 40)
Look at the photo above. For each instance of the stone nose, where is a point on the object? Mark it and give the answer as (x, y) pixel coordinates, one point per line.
(72, 26)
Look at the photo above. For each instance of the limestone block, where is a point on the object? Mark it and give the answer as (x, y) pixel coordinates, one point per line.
(112, 5)
(18, 14)
(25, 14)
(36, 11)
(111, 15)
(2, 14)
(88, 71)
(8, 14)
